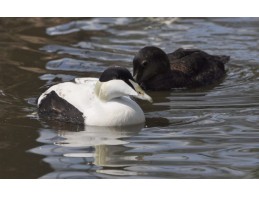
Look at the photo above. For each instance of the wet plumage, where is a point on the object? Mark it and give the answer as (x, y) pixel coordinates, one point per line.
(153, 69)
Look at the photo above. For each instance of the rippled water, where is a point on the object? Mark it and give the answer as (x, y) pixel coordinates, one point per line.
(201, 133)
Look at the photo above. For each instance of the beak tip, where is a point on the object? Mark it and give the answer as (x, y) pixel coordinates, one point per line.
(140, 93)
(148, 98)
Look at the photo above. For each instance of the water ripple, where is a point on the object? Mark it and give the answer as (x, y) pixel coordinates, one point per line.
(202, 133)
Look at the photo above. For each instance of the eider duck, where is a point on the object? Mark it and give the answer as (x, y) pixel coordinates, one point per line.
(89, 101)
(153, 69)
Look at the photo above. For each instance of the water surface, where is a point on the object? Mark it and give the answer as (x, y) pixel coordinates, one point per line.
(203, 133)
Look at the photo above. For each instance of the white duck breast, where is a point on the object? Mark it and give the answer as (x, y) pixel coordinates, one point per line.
(101, 103)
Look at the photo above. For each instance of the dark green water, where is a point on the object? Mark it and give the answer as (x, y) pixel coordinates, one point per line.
(202, 133)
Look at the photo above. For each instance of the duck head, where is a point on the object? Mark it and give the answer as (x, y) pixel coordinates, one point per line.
(149, 62)
(115, 82)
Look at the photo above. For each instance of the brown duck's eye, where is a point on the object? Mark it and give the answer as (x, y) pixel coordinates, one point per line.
(144, 63)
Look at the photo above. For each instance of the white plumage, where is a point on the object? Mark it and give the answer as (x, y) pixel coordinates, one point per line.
(102, 103)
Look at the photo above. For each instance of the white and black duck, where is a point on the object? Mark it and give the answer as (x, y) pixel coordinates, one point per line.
(98, 102)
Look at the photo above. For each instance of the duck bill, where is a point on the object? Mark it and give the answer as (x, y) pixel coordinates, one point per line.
(140, 93)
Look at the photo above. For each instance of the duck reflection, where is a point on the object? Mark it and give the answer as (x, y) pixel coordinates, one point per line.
(98, 147)
(95, 136)
(108, 143)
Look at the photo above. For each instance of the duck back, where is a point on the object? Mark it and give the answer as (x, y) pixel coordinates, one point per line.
(198, 67)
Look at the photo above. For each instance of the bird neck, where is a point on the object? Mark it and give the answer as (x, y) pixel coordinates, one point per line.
(112, 89)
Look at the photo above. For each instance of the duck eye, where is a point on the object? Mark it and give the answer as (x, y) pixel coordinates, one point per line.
(144, 63)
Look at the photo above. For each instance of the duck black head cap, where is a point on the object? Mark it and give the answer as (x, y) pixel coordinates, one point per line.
(116, 72)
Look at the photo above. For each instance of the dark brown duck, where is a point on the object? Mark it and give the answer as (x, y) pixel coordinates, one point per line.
(153, 69)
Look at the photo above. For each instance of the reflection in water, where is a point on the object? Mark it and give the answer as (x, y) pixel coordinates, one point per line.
(91, 148)
(201, 133)
(94, 136)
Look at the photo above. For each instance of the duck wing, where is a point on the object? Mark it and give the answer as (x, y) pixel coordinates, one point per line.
(191, 61)
(67, 101)
(180, 53)
(86, 80)
(54, 107)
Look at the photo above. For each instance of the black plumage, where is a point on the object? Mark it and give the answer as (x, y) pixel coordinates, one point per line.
(56, 108)
(153, 69)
